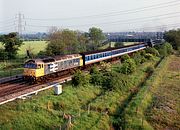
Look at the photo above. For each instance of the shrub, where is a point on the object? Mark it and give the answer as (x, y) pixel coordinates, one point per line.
(168, 48)
(129, 66)
(42, 54)
(96, 76)
(152, 51)
(3, 54)
(149, 56)
(150, 69)
(125, 57)
(80, 79)
(105, 66)
(165, 49)
(138, 58)
(116, 81)
(118, 44)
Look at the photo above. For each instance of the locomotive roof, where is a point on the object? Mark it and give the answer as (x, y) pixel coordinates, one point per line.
(54, 58)
(108, 49)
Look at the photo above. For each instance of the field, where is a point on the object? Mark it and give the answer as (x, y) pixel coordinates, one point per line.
(34, 46)
(113, 43)
(164, 112)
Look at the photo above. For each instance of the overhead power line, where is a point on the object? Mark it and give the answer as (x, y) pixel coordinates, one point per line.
(7, 20)
(156, 27)
(161, 5)
(168, 15)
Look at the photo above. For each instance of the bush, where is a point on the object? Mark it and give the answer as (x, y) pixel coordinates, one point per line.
(152, 51)
(118, 44)
(128, 67)
(168, 48)
(150, 69)
(149, 56)
(165, 49)
(115, 81)
(124, 57)
(80, 79)
(41, 54)
(104, 66)
(138, 58)
(96, 76)
(3, 54)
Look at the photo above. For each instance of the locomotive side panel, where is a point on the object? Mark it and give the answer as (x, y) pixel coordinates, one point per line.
(57, 66)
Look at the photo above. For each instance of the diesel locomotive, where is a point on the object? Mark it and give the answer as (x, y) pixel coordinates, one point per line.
(35, 69)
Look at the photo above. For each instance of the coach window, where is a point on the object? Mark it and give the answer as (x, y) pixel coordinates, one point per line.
(92, 57)
(95, 56)
(103, 54)
(86, 58)
(89, 57)
(98, 55)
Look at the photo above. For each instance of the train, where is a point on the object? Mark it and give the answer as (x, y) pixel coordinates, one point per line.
(41, 68)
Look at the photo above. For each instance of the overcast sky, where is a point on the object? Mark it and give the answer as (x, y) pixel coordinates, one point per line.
(109, 15)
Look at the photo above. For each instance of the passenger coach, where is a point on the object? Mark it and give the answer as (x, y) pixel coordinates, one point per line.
(98, 56)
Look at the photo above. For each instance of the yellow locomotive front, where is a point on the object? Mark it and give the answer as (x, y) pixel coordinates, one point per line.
(33, 69)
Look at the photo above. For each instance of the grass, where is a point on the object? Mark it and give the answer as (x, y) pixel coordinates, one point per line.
(41, 112)
(134, 112)
(34, 46)
(11, 67)
(112, 44)
(164, 110)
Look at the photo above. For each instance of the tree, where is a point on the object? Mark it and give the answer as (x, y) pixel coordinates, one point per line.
(65, 42)
(11, 43)
(173, 37)
(96, 38)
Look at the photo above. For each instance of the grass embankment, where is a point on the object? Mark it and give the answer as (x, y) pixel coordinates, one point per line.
(164, 110)
(134, 112)
(45, 111)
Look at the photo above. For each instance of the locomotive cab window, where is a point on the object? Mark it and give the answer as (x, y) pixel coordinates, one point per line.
(39, 66)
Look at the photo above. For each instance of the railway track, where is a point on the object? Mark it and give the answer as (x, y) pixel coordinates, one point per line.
(13, 89)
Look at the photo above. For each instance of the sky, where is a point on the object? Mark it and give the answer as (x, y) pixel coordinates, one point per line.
(109, 15)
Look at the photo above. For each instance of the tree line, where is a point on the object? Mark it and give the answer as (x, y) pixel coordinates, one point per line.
(65, 41)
